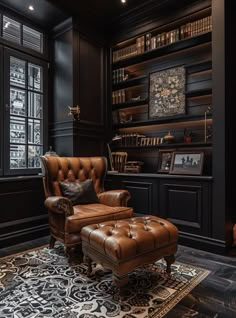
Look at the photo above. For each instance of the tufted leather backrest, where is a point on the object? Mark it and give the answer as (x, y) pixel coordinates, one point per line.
(72, 169)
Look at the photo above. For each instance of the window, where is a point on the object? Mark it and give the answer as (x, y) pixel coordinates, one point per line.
(21, 34)
(11, 30)
(24, 96)
(32, 39)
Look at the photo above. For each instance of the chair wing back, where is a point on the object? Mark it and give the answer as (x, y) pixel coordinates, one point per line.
(71, 169)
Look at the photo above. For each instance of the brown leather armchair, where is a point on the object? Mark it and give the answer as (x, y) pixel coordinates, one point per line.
(65, 219)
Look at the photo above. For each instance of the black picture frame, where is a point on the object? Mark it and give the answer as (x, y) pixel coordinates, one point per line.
(187, 162)
(164, 160)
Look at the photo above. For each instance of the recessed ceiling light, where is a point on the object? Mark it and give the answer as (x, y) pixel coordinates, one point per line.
(123, 1)
(31, 8)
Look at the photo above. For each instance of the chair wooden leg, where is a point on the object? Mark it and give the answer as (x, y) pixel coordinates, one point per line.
(88, 261)
(52, 242)
(169, 260)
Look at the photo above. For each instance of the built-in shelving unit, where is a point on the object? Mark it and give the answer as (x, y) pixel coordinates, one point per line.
(184, 42)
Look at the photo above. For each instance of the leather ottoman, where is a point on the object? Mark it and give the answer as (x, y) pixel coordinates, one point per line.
(126, 244)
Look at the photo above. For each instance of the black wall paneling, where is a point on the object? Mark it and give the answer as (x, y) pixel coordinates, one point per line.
(23, 215)
(78, 75)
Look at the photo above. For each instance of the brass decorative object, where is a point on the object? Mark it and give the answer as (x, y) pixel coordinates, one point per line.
(74, 111)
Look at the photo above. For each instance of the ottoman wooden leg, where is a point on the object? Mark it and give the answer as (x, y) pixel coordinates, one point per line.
(120, 281)
(169, 260)
(52, 242)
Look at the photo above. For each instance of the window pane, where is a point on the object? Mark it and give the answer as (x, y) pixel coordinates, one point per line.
(17, 102)
(35, 77)
(32, 39)
(34, 135)
(17, 72)
(17, 157)
(34, 153)
(35, 105)
(17, 130)
(11, 30)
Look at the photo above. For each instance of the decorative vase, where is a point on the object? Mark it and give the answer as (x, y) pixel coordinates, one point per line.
(169, 138)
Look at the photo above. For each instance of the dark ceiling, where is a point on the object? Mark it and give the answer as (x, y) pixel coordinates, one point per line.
(45, 14)
(103, 15)
(49, 13)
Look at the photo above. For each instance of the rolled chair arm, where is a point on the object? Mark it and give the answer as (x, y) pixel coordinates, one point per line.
(114, 197)
(61, 205)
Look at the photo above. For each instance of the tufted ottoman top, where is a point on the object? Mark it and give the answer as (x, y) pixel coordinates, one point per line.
(128, 238)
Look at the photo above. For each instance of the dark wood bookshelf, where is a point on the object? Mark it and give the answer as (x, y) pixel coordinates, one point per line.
(130, 104)
(129, 82)
(170, 119)
(199, 92)
(168, 145)
(164, 50)
(199, 67)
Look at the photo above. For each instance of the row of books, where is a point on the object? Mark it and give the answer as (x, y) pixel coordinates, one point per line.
(137, 48)
(149, 41)
(118, 97)
(196, 27)
(137, 139)
(120, 75)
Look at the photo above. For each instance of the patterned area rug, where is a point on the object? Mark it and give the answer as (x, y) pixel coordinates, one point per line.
(40, 283)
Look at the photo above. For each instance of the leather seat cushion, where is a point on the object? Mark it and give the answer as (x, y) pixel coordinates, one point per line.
(95, 213)
(126, 239)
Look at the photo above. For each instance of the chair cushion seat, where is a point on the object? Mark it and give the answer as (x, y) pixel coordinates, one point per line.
(95, 213)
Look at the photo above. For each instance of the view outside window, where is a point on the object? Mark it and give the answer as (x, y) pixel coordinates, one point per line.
(26, 115)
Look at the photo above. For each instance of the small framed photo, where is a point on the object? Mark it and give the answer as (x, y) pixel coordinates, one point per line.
(187, 163)
(164, 161)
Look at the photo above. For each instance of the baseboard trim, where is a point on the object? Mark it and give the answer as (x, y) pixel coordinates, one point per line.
(204, 243)
(24, 235)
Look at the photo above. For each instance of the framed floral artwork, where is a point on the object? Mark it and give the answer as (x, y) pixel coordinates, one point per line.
(167, 92)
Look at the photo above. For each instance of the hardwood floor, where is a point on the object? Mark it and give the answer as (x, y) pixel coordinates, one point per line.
(214, 297)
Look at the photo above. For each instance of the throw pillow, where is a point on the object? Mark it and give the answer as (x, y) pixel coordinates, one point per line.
(79, 192)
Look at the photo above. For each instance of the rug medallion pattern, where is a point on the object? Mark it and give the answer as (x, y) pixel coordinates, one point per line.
(41, 283)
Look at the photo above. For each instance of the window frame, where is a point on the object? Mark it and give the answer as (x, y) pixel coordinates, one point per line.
(20, 47)
(5, 145)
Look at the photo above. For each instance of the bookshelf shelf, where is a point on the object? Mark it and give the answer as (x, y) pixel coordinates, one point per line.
(200, 92)
(130, 82)
(167, 145)
(164, 50)
(159, 121)
(130, 104)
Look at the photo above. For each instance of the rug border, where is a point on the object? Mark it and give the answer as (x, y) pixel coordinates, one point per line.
(183, 293)
(25, 251)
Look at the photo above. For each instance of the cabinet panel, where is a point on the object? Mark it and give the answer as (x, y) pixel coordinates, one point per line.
(186, 204)
(141, 196)
(144, 191)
